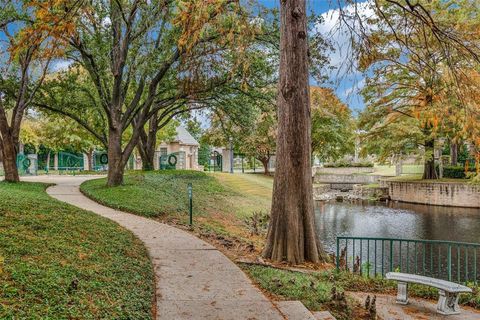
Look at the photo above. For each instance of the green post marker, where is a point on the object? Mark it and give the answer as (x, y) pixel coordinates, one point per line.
(190, 200)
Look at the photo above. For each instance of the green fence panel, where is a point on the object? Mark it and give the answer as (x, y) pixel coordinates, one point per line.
(70, 162)
(215, 163)
(448, 260)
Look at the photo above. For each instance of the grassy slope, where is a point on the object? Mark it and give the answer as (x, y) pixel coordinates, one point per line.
(60, 262)
(256, 191)
(157, 194)
(220, 201)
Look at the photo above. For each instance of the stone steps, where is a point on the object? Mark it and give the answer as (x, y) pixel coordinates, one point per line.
(295, 310)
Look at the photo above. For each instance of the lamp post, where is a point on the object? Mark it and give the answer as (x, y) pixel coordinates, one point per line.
(231, 154)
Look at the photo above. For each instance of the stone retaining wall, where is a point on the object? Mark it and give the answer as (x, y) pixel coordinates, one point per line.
(347, 178)
(343, 170)
(436, 193)
(367, 192)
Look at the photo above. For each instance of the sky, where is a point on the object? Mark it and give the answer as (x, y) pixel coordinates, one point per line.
(345, 84)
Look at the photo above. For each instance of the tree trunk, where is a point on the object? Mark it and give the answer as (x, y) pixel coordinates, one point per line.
(9, 153)
(265, 161)
(116, 165)
(292, 235)
(89, 159)
(146, 150)
(148, 160)
(453, 153)
(47, 162)
(429, 171)
(147, 144)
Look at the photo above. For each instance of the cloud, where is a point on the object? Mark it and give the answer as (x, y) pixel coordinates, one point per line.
(353, 90)
(349, 91)
(345, 76)
(339, 34)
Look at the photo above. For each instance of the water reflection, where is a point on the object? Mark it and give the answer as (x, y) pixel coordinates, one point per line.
(395, 220)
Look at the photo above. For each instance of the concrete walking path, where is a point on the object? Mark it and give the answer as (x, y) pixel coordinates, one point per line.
(193, 279)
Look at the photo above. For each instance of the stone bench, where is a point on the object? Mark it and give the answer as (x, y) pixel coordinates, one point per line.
(448, 291)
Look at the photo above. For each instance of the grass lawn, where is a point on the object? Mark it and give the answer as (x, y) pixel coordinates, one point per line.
(255, 189)
(387, 170)
(61, 262)
(291, 284)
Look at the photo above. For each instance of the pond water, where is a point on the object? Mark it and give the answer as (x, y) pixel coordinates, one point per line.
(395, 220)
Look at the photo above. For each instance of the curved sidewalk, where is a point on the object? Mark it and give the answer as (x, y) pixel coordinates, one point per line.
(193, 279)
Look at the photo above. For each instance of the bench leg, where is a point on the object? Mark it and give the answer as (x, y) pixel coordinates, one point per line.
(402, 293)
(447, 303)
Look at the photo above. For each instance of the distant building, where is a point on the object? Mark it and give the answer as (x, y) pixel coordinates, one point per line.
(183, 146)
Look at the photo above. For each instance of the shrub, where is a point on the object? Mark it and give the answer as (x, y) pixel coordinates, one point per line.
(206, 166)
(346, 164)
(257, 223)
(474, 177)
(455, 172)
(363, 164)
(339, 164)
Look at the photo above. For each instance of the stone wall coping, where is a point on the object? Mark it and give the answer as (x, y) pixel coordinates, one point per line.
(420, 181)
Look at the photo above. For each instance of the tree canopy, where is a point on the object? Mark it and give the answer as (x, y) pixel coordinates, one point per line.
(135, 60)
(418, 88)
(333, 127)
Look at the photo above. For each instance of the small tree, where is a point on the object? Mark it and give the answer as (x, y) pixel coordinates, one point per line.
(54, 133)
(260, 140)
(22, 71)
(253, 135)
(333, 128)
(58, 133)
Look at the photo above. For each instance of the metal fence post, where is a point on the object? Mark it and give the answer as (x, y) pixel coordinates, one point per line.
(338, 250)
(190, 203)
(449, 262)
(391, 255)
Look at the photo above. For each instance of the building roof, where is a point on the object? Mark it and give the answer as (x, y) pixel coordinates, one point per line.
(184, 137)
